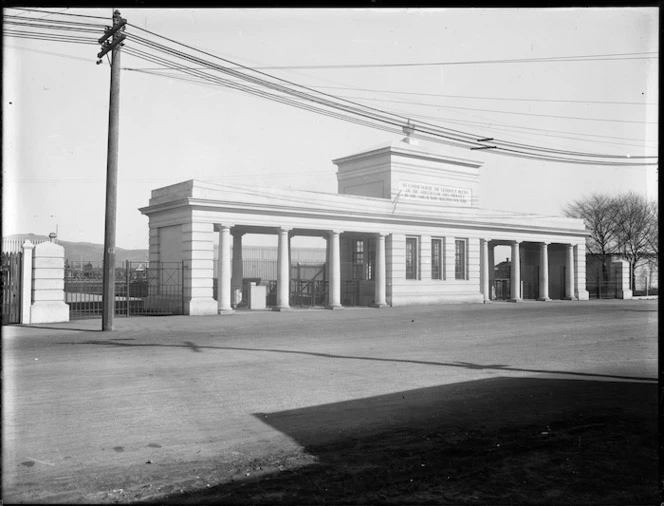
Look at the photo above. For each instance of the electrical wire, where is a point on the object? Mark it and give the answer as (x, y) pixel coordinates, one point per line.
(466, 136)
(511, 99)
(59, 13)
(443, 106)
(289, 93)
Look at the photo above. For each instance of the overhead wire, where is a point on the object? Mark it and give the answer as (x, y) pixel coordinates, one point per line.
(289, 93)
(420, 131)
(488, 123)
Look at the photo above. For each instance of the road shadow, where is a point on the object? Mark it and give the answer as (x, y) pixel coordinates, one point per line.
(189, 345)
(491, 441)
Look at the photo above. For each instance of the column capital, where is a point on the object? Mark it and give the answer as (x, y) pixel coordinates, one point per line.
(237, 233)
(515, 243)
(284, 230)
(381, 234)
(485, 240)
(218, 227)
(545, 243)
(335, 232)
(27, 245)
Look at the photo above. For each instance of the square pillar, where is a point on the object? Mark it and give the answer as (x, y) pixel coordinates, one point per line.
(622, 275)
(580, 272)
(198, 256)
(492, 272)
(48, 284)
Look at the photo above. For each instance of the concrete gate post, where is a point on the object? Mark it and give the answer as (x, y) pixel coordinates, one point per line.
(48, 284)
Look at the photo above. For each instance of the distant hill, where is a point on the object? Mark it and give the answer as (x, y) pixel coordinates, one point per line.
(86, 251)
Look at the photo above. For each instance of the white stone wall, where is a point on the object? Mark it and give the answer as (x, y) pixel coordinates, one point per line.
(48, 284)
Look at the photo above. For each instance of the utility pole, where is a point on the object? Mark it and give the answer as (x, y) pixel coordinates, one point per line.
(108, 292)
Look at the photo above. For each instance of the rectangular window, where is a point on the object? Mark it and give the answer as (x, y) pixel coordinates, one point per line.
(460, 247)
(411, 258)
(358, 258)
(436, 259)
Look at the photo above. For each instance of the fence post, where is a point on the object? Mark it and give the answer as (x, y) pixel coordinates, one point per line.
(127, 284)
(26, 282)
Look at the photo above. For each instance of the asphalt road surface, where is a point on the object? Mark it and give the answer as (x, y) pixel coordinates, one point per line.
(168, 405)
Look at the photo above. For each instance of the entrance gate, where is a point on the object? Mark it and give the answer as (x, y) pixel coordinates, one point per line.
(155, 290)
(11, 287)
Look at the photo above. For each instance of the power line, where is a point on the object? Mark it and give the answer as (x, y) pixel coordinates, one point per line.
(442, 106)
(465, 137)
(59, 13)
(289, 93)
(600, 57)
(512, 99)
(488, 123)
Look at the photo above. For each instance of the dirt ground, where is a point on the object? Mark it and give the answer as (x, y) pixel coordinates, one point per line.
(550, 403)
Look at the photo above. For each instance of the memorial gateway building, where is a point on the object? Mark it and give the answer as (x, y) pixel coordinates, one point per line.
(406, 227)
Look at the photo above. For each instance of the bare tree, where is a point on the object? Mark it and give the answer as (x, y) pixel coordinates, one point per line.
(636, 222)
(598, 211)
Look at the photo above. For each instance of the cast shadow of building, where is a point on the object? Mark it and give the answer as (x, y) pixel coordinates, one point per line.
(500, 440)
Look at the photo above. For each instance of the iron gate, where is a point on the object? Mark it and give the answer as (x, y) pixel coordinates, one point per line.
(155, 289)
(11, 287)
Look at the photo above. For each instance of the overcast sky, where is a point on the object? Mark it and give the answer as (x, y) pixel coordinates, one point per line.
(56, 106)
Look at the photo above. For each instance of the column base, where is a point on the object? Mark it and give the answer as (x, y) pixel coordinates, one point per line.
(335, 307)
(516, 300)
(201, 307)
(49, 312)
(487, 301)
(379, 305)
(225, 311)
(583, 295)
(282, 309)
(569, 298)
(544, 299)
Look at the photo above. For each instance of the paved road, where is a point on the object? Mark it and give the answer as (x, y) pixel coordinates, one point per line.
(164, 404)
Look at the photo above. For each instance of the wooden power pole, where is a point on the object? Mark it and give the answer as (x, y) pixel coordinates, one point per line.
(108, 292)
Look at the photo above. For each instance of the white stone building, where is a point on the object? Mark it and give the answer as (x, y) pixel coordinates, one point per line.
(406, 226)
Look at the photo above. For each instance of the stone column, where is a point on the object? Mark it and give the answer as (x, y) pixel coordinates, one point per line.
(334, 294)
(492, 273)
(283, 271)
(580, 291)
(622, 275)
(236, 278)
(544, 272)
(198, 256)
(380, 276)
(224, 270)
(484, 272)
(26, 282)
(569, 272)
(516, 273)
(48, 284)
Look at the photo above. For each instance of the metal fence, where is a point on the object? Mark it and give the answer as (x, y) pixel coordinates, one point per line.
(154, 290)
(11, 287)
(602, 290)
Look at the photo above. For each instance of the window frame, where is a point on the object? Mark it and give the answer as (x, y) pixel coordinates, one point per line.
(461, 263)
(440, 258)
(414, 272)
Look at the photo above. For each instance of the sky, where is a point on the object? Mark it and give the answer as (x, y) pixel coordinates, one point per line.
(55, 106)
